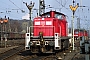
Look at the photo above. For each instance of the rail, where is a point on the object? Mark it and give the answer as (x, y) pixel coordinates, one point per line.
(8, 54)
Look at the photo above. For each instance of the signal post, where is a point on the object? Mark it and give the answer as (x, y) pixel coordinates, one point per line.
(73, 8)
(3, 21)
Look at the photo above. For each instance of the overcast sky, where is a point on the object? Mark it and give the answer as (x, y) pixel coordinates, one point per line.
(12, 9)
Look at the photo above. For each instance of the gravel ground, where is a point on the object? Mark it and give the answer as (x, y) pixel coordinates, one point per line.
(10, 44)
(73, 55)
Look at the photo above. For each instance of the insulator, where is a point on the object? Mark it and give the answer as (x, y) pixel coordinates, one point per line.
(78, 4)
(73, 1)
(82, 10)
(5, 16)
(8, 17)
(31, 2)
(88, 10)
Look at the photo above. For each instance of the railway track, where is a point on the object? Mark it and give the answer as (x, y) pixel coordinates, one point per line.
(10, 53)
(48, 56)
(67, 54)
(19, 53)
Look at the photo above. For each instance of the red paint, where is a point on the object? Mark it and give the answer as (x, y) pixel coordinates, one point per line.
(80, 33)
(51, 24)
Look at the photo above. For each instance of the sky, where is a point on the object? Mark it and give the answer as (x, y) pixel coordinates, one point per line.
(12, 9)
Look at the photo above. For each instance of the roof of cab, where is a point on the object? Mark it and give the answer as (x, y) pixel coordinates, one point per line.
(53, 11)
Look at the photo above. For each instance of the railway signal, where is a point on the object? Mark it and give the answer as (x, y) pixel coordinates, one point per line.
(73, 8)
(3, 21)
(30, 7)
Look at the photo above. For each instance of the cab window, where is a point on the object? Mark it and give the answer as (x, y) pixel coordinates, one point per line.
(47, 15)
(58, 16)
(76, 32)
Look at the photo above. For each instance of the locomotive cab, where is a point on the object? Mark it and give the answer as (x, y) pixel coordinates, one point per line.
(49, 33)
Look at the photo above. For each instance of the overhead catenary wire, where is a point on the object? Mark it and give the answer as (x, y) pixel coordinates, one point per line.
(2, 9)
(63, 5)
(16, 5)
(8, 5)
(1, 6)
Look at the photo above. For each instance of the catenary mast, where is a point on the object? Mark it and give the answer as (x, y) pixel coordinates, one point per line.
(41, 7)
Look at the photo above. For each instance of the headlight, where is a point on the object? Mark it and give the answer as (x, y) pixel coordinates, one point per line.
(38, 43)
(42, 40)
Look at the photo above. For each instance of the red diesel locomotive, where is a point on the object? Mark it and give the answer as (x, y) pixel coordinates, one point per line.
(50, 33)
(78, 33)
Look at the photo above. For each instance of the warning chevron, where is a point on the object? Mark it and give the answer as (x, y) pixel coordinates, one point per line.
(73, 8)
